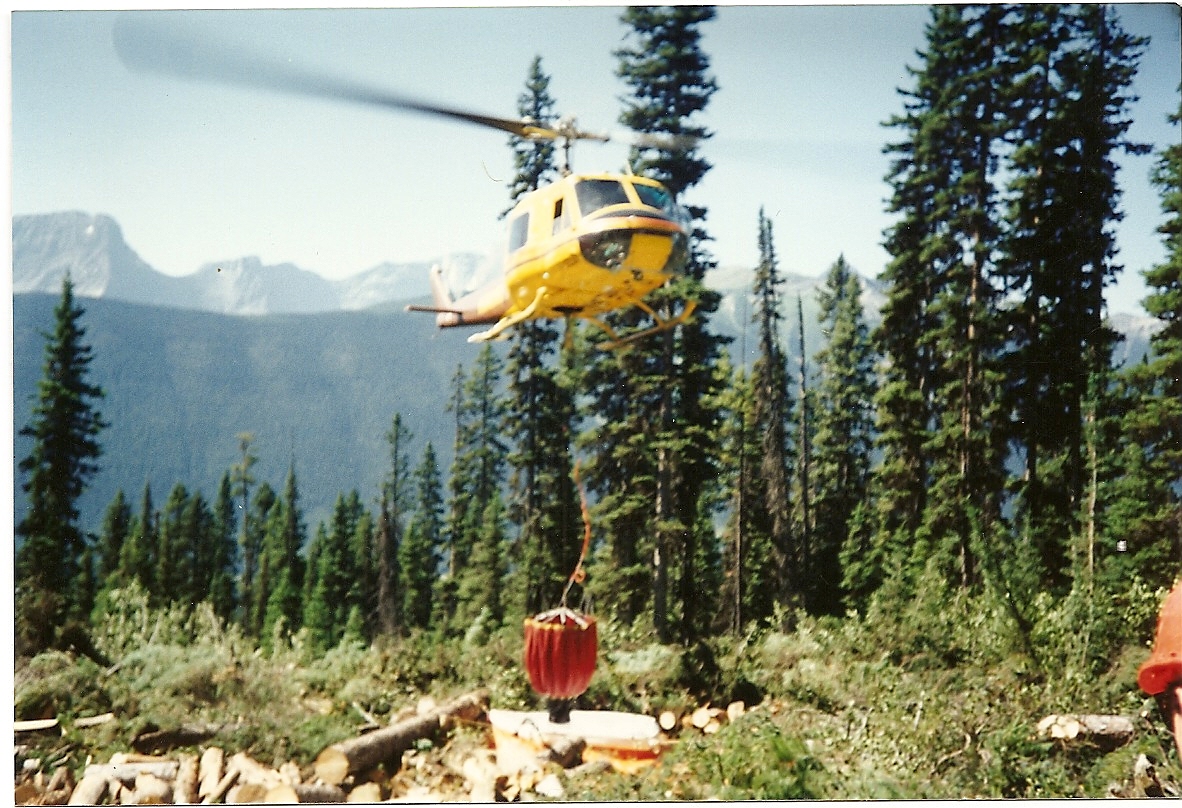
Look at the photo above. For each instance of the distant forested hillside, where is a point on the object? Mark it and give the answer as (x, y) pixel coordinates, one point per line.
(317, 389)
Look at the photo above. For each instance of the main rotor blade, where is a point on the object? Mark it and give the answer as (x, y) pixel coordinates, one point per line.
(146, 47)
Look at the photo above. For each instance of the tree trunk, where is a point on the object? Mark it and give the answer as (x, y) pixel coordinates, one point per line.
(365, 752)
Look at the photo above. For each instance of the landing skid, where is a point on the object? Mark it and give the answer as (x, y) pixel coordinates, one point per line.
(663, 324)
(510, 320)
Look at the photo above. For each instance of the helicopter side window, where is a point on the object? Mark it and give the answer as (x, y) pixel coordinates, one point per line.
(560, 220)
(596, 194)
(518, 230)
(658, 198)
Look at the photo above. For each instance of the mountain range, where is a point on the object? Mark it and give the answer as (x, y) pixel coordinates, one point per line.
(315, 369)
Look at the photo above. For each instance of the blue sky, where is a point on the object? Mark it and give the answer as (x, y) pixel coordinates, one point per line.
(199, 172)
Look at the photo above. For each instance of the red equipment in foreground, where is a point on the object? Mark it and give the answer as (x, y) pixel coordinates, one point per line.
(1161, 675)
(560, 650)
(561, 644)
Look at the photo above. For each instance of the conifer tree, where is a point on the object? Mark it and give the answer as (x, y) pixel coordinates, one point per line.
(666, 379)
(243, 479)
(478, 468)
(419, 554)
(259, 519)
(1076, 68)
(223, 551)
(137, 558)
(772, 411)
(480, 590)
(327, 606)
(533, 160)
(64, 428)
(750, 574)
(540, 406)
(843, 430)
(394, 503)
(280, 597)
(114, 532)
(1141, 496)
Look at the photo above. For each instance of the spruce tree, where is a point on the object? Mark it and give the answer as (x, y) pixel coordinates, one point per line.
(223, 551)
(540, 406)
(750, 577)
(772, 411)
(478, 468)
(1144, 528)
(243, 478)
(419, 554)
(394, 503)
(1072, 95)
(663, 438)
(137, 558)
(843, 429)
(115, 530)
(64, 428)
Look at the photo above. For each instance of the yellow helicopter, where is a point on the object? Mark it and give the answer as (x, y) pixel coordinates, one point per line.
(580, 247)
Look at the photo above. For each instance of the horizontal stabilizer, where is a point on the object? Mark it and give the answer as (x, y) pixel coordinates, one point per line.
(436, 309)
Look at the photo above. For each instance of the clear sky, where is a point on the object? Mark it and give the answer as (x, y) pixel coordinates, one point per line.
(199, 172)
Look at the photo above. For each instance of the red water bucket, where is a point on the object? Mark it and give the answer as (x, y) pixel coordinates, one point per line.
(560, 650)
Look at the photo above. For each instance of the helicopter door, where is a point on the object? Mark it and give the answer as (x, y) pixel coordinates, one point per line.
(518, 232)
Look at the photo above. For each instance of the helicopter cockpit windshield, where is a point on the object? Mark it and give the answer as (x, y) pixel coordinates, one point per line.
(596, 194)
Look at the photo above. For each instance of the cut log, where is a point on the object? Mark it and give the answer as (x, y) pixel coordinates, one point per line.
(367, 751)
(94, 720)
(150, 790)
(245, 793)
(319, 792)
(251, 771)
(184, 791)
(35, 725)
(213, 763)
(1103, 730)
(667, 720)
(126, 773)
(89, 791)
(735, 710)
(366, 792)
(162, 740)
(222, 788)
(281, 795)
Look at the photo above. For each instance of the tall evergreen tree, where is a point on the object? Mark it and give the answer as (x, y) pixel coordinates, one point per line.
(279, 592)
(248, 538)
(1142, 495)
(115, 530)
(478, 467)
(223, 547)
(772, 411)
(64, 428)
(540, 406)
(137, 558)
(419, 554)
(750, 579)
(1072, 94)
(665, 379)
(394, 503)
(843, 429)
(533, 160)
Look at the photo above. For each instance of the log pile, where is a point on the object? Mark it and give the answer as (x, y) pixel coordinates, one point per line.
(353, 770)
(705, 719)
